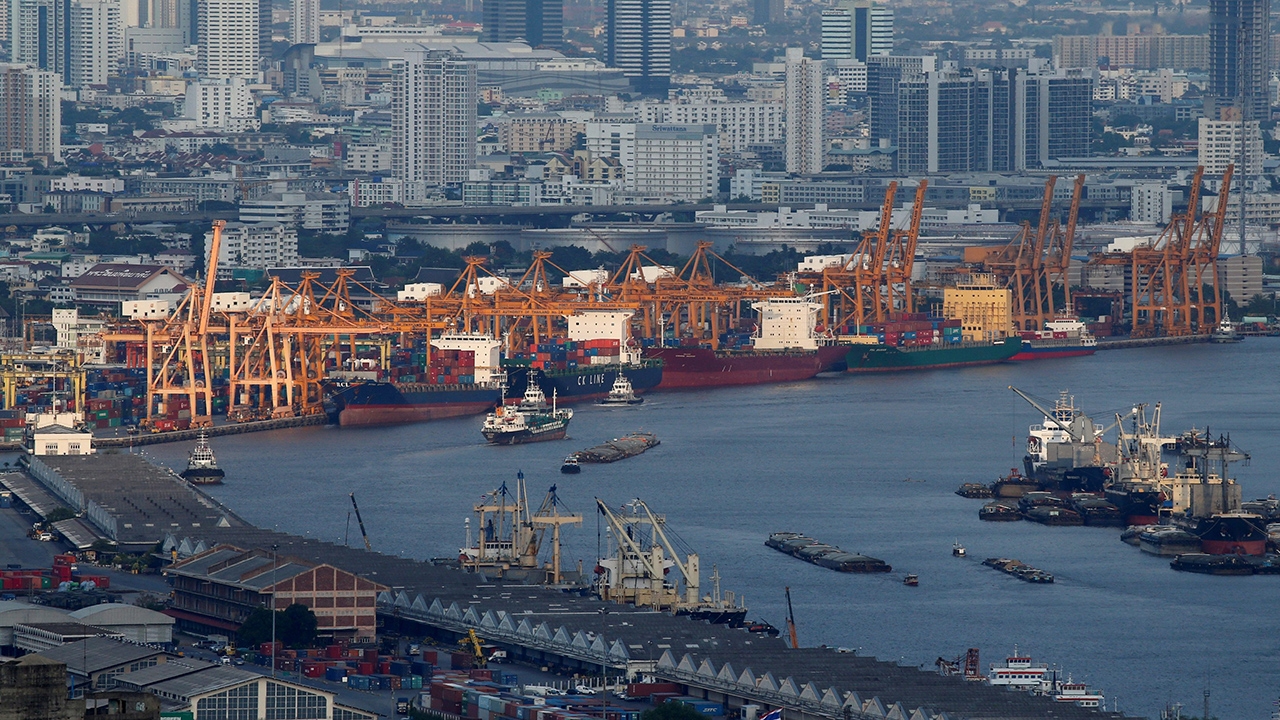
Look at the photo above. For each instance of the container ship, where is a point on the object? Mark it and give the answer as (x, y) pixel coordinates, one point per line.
(1063, 337)
(786, 348)
(916, 341)
(585, 365)
(460, 379)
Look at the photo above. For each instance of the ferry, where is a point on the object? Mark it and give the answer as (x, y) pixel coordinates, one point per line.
(1018, 672)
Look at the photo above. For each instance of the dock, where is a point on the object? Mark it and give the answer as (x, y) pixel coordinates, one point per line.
(618, 448)
(149, 438)
(1125, 343)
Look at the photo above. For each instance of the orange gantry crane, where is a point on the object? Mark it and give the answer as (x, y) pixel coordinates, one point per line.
(1034, 265)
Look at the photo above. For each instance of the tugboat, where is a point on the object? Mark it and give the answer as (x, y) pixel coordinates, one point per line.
(530, 421)
(1225, 332)
(958, 550)
(911, 580)
(571, 466)
(202, 468)
(621, 393)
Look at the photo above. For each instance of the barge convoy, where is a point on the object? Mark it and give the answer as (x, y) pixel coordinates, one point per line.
(823, 555)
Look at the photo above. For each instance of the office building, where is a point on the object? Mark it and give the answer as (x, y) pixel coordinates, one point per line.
(639, 43)
(41, 35)
(31, 107)
(96, 42)
(990, 120)
(228, 39)
(1151, 202)
(304, 22)
(264, 30)
(225, 104)
(537, 22)
(1240, 55)
(433, 121)
(806, 97)
(856, 29)
(672, 162)
(740, 125)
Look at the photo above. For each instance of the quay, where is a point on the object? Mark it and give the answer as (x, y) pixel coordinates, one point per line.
(126, 500)
(150, 438)
(1122, 344)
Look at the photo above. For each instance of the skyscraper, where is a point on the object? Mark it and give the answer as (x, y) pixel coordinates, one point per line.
(32, 111)
(1240, 54)
(97, 42)
(856, 29)
(433, 121)
(639, 43)
(228, 39)
(42, 35)
(806, 91)
(304, 22)
(537, 22)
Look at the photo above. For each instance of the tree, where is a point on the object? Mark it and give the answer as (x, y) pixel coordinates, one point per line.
(59, 514)
(295, 626)
(672, 711)
(256, 628)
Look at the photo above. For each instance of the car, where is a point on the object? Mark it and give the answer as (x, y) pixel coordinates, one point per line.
(584, 690)
(226, 661)
(45, 537)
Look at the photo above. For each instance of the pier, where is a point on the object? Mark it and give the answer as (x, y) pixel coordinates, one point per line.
(145, 438)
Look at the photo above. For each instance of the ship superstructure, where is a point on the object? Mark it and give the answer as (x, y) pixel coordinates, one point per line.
(508, 536)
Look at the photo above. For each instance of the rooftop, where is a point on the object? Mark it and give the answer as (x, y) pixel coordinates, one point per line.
(96, 654)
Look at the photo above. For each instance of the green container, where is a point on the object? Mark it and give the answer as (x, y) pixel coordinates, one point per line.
(103, 414)
(113, 422)
(46, 582)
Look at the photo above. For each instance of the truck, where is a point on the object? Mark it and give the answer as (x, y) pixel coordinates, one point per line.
(402, 706)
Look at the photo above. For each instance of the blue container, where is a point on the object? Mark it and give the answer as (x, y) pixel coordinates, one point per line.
(359, 682)
(335, 674)
(510, 679)
(400, 668)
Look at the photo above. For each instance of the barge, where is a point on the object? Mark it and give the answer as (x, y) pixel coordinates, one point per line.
(823, 555)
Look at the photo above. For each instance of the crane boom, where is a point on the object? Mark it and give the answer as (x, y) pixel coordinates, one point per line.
(791, 623)
(360, 520)
(688, 568)
(1048, 414)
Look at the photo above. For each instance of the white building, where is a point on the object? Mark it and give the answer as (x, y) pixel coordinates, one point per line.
(304, 22)
(1241, 276)
(31, 105)
(433, 121)
(837, 34)
(749, 182)
(739, 124)
(74, 183)
(1151, 202)
(224, 103)
(228, 38)
(376, 191)
(1219, 146)
(675, 162)
(368, 158)
(96, 42)
(806, 93)
(326, 212)
(256, 246)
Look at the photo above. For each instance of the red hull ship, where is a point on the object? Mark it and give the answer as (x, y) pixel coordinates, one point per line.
(687, 367)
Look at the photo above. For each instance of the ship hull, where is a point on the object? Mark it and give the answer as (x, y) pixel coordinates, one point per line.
(886, 358)
(522, 437)
(584, 384)
(1038, 351)
(685, 368)
(203, 476)
(378, 403)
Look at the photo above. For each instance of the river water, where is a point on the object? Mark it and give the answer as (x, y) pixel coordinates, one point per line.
(869, 463)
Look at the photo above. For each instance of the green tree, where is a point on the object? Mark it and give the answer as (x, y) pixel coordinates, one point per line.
(256, 628)
(295, 626)
(59, 514)
(672, 711)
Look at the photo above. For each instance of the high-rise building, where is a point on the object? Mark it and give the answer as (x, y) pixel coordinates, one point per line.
(1218, 145)
(806, 97)
(765, 12)
(304, 22)
(676, 162)
(1240, 55)
(997, 120)
(228, 39)
(537, 22)
(42, 35)
(856, 29)
(97, 42)
(32, 111)
(433, 121)
(639, 43)
(264, 30)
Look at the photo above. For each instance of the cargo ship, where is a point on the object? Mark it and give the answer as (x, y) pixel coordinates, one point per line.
(1063, 337)
(584, 365)
(881, 357)
(460, 380)
(786, 348)
(1234, 533)
(532, 420)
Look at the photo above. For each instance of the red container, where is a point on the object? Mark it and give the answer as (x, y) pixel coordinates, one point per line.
(364, 668)
(370, 655)
(384, 667)
(333, 651)
(478, 674)
(429, 656)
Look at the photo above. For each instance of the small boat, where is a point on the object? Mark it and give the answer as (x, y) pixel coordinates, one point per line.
(958, 550)
(571, 466)
(1225, 332)
(202, 467)
(974, 491)
(912, 580)
(621, 393)
(999, 512)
